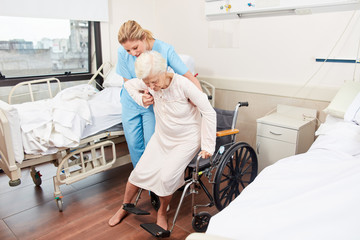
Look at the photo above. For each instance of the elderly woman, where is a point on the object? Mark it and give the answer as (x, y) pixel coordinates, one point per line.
(182, 128)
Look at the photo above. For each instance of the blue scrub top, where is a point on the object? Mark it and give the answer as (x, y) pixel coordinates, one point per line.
(126, 62)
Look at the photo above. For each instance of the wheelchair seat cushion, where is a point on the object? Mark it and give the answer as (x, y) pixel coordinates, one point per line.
(203, 163)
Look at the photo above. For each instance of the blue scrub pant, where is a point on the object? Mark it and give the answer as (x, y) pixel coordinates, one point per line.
(139, 125)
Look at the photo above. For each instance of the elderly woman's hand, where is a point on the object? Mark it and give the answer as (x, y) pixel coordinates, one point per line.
(147, 98)
(204, 154)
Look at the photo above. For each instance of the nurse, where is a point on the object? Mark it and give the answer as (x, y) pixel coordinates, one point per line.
(139, 122)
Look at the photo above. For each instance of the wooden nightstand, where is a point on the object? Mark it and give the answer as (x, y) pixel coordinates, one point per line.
(287, 132)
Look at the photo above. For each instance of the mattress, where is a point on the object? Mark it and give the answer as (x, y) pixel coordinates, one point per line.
(314, 195)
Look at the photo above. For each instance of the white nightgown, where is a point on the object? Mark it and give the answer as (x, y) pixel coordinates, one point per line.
(180, 130)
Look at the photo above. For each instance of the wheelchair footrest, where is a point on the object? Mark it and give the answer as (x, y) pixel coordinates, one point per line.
(129, 207)
(155, 230)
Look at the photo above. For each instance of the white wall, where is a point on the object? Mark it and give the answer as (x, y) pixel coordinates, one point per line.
(273, 55)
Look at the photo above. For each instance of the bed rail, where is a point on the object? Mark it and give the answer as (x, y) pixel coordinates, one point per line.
(86, 161)
(31, 92)
(103, 71)
(209, 89)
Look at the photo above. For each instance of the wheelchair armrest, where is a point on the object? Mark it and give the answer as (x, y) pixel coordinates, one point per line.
(227, 132)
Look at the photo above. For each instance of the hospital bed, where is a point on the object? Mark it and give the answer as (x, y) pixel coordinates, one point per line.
(314, 195)
(75, 129)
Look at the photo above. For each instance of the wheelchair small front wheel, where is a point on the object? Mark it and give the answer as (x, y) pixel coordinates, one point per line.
(237, 168)
(200, 221)
(155, 201)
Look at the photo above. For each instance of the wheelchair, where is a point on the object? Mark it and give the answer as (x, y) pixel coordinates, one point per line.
(233, 166)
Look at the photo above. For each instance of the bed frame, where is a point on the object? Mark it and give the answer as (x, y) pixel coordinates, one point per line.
(94, 154)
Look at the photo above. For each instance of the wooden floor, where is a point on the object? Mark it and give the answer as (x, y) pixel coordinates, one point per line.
(30, 212)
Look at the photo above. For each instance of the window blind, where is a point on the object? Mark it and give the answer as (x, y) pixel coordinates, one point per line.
(89, 10)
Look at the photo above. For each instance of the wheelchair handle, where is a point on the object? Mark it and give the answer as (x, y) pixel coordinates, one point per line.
(243, 104)
(240, 104)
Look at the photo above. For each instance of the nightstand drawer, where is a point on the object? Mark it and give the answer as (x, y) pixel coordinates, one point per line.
(278, 133)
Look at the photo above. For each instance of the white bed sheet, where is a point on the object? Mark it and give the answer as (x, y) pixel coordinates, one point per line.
(106, 109)
(314, 195)
(73, 114)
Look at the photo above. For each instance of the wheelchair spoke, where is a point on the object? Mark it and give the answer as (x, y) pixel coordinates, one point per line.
(224, 189)
(242, 184)
(246, 182)
(238, 155)
(227, 201)
(246, 169)
(247, 173)
(223, 181)
(231, 164)
(228, 198)
(244, 161)
(225, 194)
(236, 190)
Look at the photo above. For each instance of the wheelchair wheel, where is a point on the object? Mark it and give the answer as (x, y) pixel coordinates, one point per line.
(200, 221)
(237, 169)
(155, 201)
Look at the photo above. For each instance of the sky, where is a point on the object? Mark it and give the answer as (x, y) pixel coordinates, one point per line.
(33, 29)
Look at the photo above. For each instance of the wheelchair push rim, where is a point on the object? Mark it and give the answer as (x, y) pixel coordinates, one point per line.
(237, 169)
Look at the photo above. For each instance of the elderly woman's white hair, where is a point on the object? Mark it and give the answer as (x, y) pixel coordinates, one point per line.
(149, 63)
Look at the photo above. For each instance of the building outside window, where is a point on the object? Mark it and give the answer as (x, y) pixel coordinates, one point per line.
(31, 47)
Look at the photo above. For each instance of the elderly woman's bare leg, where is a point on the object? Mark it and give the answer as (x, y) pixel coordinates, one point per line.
(130, 192)
(161, 214)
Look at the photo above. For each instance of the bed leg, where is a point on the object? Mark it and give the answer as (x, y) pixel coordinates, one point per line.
(57, 194)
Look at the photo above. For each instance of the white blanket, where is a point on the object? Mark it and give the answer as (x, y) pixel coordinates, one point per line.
(308, 196)
(314, 195)
(62, 121)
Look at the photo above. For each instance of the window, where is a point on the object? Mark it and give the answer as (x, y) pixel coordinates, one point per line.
(33, 48)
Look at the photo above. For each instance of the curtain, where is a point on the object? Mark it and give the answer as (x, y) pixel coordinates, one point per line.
(89, 10)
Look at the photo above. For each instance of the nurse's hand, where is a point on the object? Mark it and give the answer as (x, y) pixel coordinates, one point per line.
(204, 154)
(147, 98)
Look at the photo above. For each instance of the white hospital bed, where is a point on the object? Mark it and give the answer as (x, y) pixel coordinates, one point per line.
(75, 129)
(314, 195)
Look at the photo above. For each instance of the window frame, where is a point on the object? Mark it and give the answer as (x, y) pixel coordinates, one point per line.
(12, 81)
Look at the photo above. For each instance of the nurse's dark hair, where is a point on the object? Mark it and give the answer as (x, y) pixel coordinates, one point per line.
(131, 31)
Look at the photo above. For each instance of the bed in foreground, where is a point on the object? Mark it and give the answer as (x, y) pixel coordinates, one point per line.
(314, 195)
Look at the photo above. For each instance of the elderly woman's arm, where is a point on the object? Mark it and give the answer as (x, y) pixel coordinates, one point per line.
(139, 92)
(208, 122)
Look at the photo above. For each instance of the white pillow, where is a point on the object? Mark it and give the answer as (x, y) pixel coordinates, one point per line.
(189, 62)
(338, 136)
(353, 112)
(113, 79)
(343, 99)
(14, 122)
